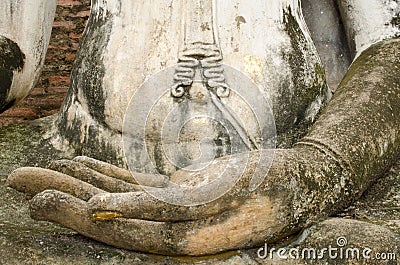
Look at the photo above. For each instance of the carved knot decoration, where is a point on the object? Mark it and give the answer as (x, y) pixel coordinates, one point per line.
(207, 58)
(200, 51)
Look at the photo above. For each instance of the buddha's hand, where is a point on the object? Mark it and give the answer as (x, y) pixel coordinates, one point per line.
(107, 203)
(246, 198)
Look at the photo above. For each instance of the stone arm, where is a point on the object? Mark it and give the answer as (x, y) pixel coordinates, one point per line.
(355, 139)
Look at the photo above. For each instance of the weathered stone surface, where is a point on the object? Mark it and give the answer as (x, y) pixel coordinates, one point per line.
(86, 174)
(12, 59)
(27, 26)
(122, 173)
(337, 241)
(368, 22)
(269, 42)
(25, 241)
(48, 179)
(325, 171)
(48, 94)
(380, 204)
(326, 27)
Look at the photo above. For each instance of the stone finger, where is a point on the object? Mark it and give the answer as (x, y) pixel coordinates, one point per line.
(230, 230)
(32, 180)
(86, 174)
(151, 180)
(150, 203)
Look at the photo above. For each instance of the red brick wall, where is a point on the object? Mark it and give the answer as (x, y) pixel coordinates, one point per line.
(45, 99)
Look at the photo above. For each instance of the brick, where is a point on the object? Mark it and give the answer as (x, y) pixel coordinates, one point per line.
(74, 35)
(52, 47)
(4, 121)
(64, 24)
(48, 103)
(59, 79)
(70, 57)
(20, 112)
(49, 112)
(68, 3)
(57, 90)
(81, 14)
(37, 91)
(75, 46)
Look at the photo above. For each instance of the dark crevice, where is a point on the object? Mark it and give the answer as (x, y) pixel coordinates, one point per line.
(11, 60)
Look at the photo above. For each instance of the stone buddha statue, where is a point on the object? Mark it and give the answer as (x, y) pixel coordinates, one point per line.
(208, 117)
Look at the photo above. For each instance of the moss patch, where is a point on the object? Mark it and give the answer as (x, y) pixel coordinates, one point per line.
(396, 20)
(309, 81)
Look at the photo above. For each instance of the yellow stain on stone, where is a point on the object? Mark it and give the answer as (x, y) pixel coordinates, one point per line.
(105, 216)
(253, 65)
